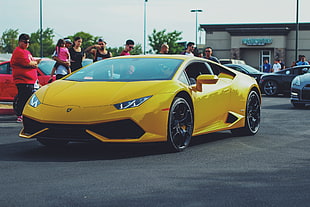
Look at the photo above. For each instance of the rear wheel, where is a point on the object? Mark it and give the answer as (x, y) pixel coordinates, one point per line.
(252, 116)
(299, 105)
(53, 143)
(180, 126)
(270, 88)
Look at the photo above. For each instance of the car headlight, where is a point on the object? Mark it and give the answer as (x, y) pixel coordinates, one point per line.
(296, 81)
(131, 104)
(34, 101)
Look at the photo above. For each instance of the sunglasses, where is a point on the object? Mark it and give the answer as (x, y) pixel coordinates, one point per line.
(131, 47)
(207, 51)
(26, 42)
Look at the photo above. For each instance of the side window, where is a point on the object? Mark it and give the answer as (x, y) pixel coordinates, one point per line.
(183, 78)
(215, 68)
(193, 70)
(4, 69)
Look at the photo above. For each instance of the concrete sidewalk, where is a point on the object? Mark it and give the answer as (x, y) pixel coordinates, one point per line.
(6, 108)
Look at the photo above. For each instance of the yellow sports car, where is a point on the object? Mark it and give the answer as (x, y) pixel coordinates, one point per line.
(144, 98)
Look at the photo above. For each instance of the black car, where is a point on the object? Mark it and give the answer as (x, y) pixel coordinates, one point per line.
(247, 69)
(279, 82)
(300, 90)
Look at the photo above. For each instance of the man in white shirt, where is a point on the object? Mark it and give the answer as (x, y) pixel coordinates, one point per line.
(276, 66)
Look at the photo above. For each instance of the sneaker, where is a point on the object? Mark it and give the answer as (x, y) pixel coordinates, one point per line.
(19, 119)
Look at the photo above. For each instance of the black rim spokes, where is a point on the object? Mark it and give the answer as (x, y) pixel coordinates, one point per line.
(254, 112)
(181, 125)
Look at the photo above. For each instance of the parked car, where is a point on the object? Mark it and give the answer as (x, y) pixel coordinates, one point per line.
(134, 99)
(279, 82)
(300, 90)
(247, 69)
(8, 89)
(231, 61)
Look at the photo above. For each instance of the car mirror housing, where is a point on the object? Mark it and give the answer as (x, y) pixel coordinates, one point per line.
(205, 79)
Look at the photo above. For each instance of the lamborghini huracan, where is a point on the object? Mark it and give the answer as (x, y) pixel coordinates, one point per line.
(144, 98)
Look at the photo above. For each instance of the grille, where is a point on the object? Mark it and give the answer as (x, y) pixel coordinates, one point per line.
(123, 129)
(305, 93)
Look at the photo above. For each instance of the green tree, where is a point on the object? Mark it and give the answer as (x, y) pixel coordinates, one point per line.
(9, 40)
(171, 38)
(47, 42)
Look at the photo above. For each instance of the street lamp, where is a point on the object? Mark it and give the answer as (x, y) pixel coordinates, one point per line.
(41, 35)
(196, 11)
(144, 35)
(297, 29)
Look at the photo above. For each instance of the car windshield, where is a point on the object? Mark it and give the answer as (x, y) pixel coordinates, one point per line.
(250, 69)
(128, 69)
(46, 66)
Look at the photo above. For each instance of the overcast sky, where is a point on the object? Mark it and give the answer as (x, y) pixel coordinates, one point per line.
(118, 20)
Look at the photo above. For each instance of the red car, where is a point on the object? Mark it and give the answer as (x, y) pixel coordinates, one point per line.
(8, 89)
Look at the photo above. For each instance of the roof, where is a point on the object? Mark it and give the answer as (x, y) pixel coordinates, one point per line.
(255, 28)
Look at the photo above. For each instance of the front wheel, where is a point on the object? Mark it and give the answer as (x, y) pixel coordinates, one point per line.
(252, 116)
(270, 88)
(181, 124)
(299, 105)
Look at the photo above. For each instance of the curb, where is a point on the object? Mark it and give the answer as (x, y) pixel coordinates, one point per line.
(6, 109)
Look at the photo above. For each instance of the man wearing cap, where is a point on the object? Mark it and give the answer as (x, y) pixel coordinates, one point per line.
(99, 51)
(24, 68)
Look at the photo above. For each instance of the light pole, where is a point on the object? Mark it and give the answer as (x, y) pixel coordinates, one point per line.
(41, 35)
(196, 11)
(297, 30)
(144, 34)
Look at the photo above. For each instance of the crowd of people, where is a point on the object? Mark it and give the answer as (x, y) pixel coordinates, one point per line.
(69, 56)
(279, 65)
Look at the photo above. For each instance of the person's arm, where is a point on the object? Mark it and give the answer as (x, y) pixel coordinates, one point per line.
(65, 63)
(92, 49)
(52, 73)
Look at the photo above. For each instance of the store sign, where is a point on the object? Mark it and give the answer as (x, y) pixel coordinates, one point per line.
(260, 42)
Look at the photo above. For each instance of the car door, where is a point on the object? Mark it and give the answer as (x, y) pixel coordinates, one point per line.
(7, 87)
(211, 103)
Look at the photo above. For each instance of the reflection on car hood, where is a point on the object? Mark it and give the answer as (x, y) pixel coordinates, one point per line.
(88, 94)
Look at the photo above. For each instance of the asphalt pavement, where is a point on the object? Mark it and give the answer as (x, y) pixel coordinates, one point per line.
(271, 168)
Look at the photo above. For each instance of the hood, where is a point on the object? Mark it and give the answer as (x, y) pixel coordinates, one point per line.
(87, 94)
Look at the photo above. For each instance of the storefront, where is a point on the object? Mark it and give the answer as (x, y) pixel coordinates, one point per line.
(256, 42)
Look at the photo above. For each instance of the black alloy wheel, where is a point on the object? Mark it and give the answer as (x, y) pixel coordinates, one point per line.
(252, 116)
(270, 88)
(181, 124)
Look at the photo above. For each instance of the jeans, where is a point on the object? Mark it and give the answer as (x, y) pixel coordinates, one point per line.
(24, 93)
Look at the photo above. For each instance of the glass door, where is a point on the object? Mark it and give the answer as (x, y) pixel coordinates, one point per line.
(264, 55)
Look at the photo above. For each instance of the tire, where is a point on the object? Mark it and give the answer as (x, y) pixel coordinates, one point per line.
(52, 143)
(180, 125)
(299, 105)
(270, 88)
(252, 116)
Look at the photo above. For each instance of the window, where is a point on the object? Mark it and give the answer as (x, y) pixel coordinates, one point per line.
(193, 70)
(4, 68)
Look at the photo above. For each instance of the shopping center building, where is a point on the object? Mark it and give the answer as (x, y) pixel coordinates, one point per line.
(256, 42)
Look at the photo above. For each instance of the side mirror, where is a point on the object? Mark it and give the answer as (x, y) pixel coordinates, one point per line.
(205, 79)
